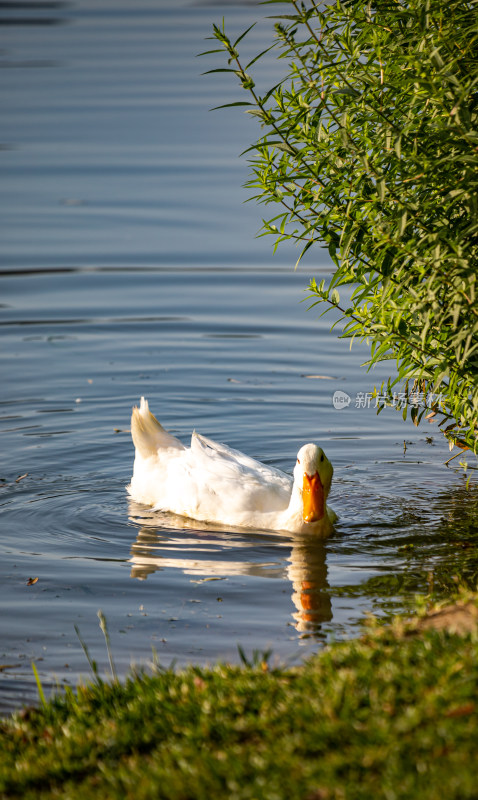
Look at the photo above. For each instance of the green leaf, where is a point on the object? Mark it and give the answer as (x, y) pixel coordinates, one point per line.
(241, 37)
(231, 105)
(347, 91)
(220, 69)
(402, 222)
(267, 50)
(209, 52)
(303, 252)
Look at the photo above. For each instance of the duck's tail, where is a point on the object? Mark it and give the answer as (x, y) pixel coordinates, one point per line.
(148, 434)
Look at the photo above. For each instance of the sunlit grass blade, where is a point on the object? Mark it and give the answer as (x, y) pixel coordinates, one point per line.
(91, 662)
(104, 628)
(41, 693)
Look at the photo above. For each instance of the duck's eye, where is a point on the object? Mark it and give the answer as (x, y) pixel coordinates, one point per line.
(298, 460)
(321, 457)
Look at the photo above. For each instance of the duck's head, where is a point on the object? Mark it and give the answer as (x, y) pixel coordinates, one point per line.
(313, 476)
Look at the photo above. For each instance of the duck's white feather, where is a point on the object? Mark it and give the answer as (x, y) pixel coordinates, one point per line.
(212, 482)
(148, 434)
(225, 462)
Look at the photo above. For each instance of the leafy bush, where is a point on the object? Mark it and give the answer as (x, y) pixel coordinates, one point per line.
(370, 146)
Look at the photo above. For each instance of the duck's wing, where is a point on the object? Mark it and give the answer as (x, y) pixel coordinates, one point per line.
(228, 464)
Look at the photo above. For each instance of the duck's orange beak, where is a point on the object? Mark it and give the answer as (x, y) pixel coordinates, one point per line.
(313, 498)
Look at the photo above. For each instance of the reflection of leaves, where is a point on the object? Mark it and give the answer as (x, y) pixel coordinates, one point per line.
(458, 570)
(389, 585)
(436, 559)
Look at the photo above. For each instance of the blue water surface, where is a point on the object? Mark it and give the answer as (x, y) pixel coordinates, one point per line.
(129, 266)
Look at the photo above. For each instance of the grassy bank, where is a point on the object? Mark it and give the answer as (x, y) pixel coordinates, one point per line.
(391, 715)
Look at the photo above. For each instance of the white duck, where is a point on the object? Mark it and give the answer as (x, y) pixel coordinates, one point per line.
(214, 483)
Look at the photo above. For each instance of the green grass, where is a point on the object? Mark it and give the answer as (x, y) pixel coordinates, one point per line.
(393, 715)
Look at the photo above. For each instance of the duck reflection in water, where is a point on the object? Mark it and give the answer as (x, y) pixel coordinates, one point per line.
(202, 551)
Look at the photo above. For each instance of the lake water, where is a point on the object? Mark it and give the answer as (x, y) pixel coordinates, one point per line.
(129, 267)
